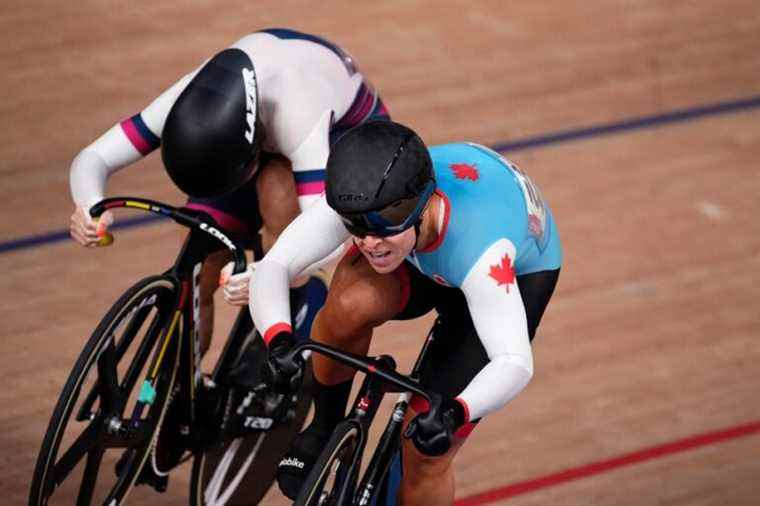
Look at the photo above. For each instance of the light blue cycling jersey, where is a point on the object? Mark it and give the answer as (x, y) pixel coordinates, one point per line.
(494, 226)
(487, 198)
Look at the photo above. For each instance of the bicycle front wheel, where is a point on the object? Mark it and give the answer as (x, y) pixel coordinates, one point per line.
(331, 480)
(103, 419)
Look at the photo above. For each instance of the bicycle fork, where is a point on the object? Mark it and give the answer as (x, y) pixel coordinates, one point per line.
(390, 441)
(389, 444)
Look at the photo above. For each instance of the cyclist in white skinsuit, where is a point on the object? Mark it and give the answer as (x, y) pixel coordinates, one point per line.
(275, 99)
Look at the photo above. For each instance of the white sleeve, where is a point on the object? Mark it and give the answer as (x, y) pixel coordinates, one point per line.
(309, 160)
(122, 145)
(298, 121)
(322, 263)
(93, 166)
(313, 235)
(498, 313)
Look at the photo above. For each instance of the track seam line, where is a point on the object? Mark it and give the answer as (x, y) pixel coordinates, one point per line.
(626, 125)
(603, 466)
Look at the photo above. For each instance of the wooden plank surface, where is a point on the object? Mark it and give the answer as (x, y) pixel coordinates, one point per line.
(652, 334)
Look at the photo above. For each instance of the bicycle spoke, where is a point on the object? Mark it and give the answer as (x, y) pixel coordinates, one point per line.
(215, 483)
(129, 334)
(90, 476)
(110, 394)
(126, 339)
(81, 447)
(133, 373)
(85, 410)
(214, 495)
(238, 478)
(125, 473)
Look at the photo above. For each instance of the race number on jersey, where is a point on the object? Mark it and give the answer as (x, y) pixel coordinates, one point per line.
(534, 201)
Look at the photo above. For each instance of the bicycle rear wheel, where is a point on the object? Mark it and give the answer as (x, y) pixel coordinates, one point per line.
(331, 481)
(101, 419)
(239, 472)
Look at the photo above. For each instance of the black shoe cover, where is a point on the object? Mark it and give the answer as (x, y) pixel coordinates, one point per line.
(296, 464)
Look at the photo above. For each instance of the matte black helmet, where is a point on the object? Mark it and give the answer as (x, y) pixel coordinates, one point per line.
(210, 140)
(379, 178)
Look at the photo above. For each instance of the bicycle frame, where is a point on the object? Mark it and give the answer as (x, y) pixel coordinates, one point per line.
(380, 379)
(145, 397)
(203, 239)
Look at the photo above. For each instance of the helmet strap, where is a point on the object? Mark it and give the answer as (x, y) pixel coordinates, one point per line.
(417, 228)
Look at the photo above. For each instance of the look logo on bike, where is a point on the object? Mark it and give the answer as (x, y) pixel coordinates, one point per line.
(456, 228)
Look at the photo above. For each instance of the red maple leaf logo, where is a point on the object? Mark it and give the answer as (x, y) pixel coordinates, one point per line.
(503, 272)
(465, 171)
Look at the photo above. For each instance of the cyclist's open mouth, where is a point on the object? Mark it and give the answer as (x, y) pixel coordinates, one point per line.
(379, 259)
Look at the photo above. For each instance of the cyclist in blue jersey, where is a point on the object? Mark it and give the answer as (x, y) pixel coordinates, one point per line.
(456, 228)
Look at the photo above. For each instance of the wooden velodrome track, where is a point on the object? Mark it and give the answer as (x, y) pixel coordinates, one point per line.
(646, 388)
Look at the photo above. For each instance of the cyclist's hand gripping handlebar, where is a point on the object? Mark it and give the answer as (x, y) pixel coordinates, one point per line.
(284, 366)
(432, 431)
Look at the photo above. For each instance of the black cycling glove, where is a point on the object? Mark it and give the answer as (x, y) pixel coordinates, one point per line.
(432, 436)
(281, 371)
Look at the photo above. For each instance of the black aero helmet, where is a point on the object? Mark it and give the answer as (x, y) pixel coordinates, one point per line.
(210, 140)
(379, 178)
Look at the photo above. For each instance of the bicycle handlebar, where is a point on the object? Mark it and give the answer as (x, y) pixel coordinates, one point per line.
(377, 366)
(180, 217)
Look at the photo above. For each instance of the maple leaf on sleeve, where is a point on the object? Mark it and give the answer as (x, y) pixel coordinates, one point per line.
(503, 272)
(465, 171)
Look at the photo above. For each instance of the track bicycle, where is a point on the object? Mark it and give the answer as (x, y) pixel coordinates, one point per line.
(136, 406)
(335, 478)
